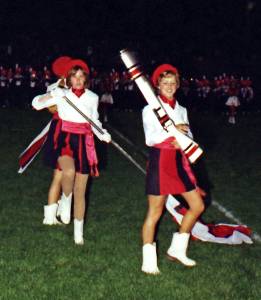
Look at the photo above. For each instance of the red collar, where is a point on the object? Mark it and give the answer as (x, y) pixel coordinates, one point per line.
(171, 102)
(78, 92)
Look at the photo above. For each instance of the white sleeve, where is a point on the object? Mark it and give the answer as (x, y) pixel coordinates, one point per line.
(40, 102)
(154, 133)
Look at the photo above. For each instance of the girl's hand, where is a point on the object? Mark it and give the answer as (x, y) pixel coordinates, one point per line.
(106, 137)
(58, 92)
(183, 128)
(52, 109)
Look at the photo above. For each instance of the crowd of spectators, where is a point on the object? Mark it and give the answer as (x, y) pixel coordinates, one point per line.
(206, 94)
(18, 85)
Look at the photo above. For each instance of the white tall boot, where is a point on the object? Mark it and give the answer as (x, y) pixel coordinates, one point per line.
(78, 232)
(50, 214)
(178, 249)
(149, 264)
(64, 210)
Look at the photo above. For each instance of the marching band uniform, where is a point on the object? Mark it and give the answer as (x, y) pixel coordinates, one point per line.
(232, 102)
(168, 171)
(46, 139)
(75, 138)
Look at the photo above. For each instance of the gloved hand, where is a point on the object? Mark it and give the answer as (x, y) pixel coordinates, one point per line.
(58, 93)
(106, 137)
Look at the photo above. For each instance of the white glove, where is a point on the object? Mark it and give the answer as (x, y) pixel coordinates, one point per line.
(106, 137)
(52, 87)
(58, 93)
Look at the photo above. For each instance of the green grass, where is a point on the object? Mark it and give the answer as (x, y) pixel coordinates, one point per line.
(41, 262)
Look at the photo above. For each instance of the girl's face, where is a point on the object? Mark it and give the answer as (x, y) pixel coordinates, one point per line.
(78, 80)
(168, 86)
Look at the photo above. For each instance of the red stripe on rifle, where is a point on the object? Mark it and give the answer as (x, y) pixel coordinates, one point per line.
(134, 73)
(194, 149)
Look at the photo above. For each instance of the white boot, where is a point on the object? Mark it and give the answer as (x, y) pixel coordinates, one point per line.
(50, 214)
(178, 248)
(64, 210)
(149, 264)
(78, 232)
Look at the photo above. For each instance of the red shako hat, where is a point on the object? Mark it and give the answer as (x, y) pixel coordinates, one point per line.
(76, 62)
(59, 65)
(159, 70)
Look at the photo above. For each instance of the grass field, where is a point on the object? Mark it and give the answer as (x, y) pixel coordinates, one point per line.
(42, 262)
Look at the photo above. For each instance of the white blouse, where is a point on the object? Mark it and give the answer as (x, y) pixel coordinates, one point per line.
(154, 132)
(87, 103)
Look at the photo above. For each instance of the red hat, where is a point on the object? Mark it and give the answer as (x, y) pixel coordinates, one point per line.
(59, 65)
(76, 62)
(159, 70)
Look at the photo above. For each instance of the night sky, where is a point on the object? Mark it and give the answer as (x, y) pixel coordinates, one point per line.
(206, 34)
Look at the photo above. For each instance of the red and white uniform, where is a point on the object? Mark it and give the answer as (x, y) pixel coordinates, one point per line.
(168, 170)
(233, 97)
(76, 138)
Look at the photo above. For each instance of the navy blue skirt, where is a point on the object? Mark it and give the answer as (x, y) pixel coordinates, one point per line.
(168, 172)
(60, 143)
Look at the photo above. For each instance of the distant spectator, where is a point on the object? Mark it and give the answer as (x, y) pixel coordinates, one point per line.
(106, 103)
(232, 103)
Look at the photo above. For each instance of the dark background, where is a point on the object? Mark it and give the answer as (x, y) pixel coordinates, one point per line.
(200, 37)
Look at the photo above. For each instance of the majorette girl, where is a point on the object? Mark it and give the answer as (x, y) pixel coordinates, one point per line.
(75, 149)
(168, 172)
